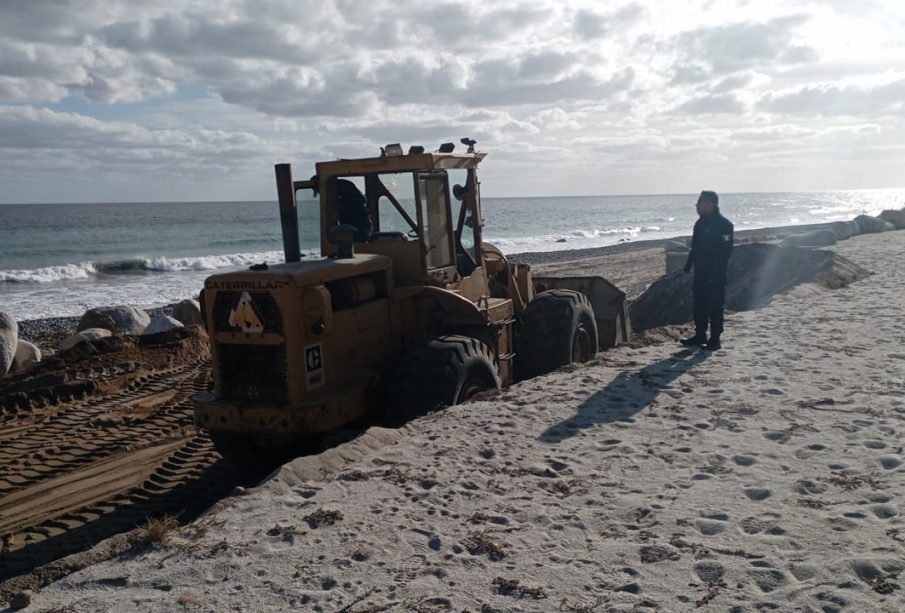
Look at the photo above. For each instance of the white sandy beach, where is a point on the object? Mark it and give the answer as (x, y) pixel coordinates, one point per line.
(767, 476)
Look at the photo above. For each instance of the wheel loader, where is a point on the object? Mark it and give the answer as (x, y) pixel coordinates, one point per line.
(407, 309)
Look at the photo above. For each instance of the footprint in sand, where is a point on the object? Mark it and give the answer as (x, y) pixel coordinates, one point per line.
(712, 524)
(560, 467)
(836, 602)
(764, 523)
(874, 444)
(879, 498)
(744, 460)
(709, 572)
(758, 493)
(841, 524)
(884, 511)
(890, 461)
(769, 579)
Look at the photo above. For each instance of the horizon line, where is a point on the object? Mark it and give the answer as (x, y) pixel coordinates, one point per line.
(625, 195)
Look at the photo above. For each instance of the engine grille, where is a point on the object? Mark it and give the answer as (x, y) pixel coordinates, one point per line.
(253, 372)
(264, 304)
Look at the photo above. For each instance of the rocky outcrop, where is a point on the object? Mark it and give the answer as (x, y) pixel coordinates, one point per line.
(188, 312)
(844, 230)
(27, 355)
(117, 319)
(871, 225)
(84, 336)
(817, 238)
(9, 337)
(895, 217)
(757, 272)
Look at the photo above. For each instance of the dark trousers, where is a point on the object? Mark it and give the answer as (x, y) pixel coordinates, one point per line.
(709, 295)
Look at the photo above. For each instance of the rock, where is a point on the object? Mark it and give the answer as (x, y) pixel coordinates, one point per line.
(118, 319)
(871, 225)
(161, 323)
(20, 600)
(9, 338)
(845, 229)
(85, 336)
(27, 355)
(817, 238)
(757, 272)
(188, 312)
(163, 329)
(895, 217)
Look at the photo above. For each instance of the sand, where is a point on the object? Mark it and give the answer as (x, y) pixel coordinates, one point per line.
(767, 476)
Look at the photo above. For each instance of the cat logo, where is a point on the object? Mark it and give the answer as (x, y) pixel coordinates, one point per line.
(245, 316)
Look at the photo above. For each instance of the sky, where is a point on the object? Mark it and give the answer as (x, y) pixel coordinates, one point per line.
(105, 100)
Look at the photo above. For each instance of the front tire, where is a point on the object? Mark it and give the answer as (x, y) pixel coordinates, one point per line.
(445, 371)
(557, 328)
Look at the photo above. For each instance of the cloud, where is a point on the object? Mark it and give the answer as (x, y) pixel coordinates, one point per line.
(741, 46)
(171, 85)
(106, 144)
(711, 104)
(832, 99)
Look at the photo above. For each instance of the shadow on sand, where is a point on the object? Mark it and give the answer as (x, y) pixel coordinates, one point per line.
(627, 394)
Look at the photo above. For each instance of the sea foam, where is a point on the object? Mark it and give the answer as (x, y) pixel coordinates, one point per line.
(86, 270)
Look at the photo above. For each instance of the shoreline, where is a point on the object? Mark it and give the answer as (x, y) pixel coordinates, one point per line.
(41, 326)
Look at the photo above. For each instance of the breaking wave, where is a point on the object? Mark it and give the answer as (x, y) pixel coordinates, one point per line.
(573, 238)
(87, 270)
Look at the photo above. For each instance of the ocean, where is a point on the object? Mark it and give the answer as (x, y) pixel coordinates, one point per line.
(61, 259)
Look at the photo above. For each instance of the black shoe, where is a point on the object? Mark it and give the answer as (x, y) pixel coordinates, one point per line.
(713, 344)
(694, 341)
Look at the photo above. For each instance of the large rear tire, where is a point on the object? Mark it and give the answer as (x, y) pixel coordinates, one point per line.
(557, 328)
(445, 371)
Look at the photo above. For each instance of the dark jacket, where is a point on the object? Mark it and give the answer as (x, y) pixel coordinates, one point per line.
(711, 246)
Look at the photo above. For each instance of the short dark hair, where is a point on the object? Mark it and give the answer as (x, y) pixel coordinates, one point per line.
(710, 197)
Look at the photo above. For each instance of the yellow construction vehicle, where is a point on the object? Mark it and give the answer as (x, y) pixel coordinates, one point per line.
(406, 310)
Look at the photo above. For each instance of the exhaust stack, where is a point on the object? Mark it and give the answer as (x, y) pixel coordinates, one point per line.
(289, 218)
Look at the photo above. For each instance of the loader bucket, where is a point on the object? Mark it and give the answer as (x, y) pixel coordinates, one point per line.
(608, 301)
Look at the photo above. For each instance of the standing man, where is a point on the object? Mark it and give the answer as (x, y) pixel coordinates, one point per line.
(711, 246)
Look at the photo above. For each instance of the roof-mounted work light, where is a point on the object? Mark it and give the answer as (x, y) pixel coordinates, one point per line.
(393, 150)
(447, 147)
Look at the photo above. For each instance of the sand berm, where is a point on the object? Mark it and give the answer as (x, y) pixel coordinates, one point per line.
(767, 476)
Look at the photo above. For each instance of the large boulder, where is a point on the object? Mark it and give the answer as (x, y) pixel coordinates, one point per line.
(84, 336)
(188, 312)
(757, 272)
(27, 355)
(844, 230)
(9, 337)
(871, 225)
(895, 217)
(162, 323)
(163, 329)
(817, 238)
(118, 319)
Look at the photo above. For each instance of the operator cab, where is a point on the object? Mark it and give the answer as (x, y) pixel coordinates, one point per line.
(417, 209)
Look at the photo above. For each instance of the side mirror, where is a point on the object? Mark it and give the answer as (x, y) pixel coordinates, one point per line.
(458, 192)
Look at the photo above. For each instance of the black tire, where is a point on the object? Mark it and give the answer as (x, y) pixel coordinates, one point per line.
(557, 328)
(445, 371)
